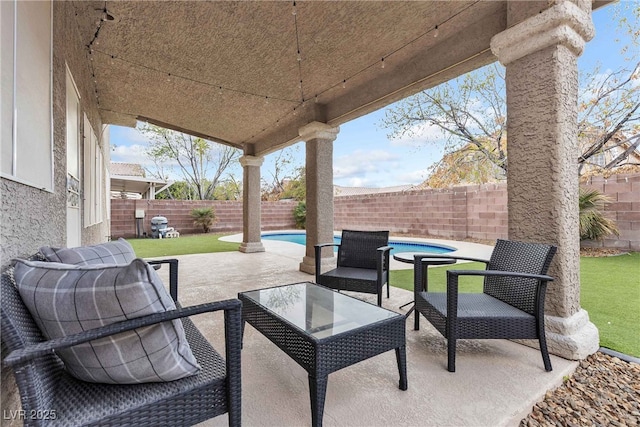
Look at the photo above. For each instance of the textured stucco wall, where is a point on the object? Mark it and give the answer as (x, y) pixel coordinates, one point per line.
(540, 55)
(32, 217)
(543, 177)
(320, 202)
(251, 212)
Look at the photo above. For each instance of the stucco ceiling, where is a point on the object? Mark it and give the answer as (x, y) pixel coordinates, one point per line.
(230, 71)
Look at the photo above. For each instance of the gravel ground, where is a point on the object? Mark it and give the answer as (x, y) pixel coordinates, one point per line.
(603, 391)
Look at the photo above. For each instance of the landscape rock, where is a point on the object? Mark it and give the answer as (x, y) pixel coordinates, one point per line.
(604, 390)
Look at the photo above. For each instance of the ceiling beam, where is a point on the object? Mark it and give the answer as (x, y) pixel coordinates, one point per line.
(187, 131)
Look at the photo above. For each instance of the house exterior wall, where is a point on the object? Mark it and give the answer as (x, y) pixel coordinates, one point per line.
(32, 217)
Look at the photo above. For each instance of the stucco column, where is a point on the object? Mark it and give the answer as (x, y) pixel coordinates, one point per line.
(251, 241)
(540, 55)
(319, 139)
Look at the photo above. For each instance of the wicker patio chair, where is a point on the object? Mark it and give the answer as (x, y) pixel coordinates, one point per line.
(362, 265)
(52, 397)
(511, 305)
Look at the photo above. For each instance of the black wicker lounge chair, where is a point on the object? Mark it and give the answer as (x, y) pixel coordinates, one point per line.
(510, 307)
(52, 397)
(363, 263)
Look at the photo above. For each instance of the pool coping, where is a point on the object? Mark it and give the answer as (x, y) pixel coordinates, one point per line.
(463, 249)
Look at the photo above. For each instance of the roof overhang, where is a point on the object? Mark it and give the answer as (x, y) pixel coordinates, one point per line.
(136, 184)
(250, 74)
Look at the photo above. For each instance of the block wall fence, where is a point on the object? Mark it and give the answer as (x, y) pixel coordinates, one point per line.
(473, 211)
(624, 193)
(275, 215)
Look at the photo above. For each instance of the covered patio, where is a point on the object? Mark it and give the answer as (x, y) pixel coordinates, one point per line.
(260, 76)
(496, 384)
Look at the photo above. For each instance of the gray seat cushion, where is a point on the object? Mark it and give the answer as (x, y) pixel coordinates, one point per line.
(349, 273)
(474, 306)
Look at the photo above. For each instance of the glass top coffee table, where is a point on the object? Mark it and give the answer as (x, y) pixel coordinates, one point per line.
(324, 331)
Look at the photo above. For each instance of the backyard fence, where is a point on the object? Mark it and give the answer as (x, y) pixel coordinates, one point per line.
(275, 215)
(473, 211)
(624, 209)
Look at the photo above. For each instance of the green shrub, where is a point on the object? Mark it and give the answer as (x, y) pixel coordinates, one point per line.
(300, 215)
(594, 225)
(204, 217)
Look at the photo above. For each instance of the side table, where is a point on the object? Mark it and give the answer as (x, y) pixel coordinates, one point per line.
(420, 281)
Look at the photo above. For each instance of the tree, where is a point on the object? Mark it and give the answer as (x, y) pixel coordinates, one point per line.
(300, 215)
(296, 187)
(287, 179)
(179, 190)
(470, 113)
(202, 163)
(608, 109)
(466, 165)
(229, 189)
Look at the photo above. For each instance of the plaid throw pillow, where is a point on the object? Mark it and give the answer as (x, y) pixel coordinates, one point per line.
(118, 252)
(66, 299)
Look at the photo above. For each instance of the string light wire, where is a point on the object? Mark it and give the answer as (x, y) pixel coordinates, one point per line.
(190, 79)
(298, 103)
(299, 58)
(362, 70)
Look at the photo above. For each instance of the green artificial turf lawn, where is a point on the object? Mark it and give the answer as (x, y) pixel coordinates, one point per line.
(611, 295)
(197, 244)
(610, 292)
(438, 278)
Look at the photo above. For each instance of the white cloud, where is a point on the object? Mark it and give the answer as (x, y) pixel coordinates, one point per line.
(127, 135)
(360, 162)
(412, 177)
(134, 153)
(128, 145)
(358, 182)
(419, 135)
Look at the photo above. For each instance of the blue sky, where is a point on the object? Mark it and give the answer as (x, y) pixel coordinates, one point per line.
(363, 156)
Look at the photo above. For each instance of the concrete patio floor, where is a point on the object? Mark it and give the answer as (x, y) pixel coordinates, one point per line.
(495, 384)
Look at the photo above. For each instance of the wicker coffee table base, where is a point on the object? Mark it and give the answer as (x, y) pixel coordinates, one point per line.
(320, 357)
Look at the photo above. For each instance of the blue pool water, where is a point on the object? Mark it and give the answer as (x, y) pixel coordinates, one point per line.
(301, 239)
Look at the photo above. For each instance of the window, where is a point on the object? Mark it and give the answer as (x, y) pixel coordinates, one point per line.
(27, 137)
(94, 174)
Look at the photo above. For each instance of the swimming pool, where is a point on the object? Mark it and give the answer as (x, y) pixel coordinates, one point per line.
(301, 239)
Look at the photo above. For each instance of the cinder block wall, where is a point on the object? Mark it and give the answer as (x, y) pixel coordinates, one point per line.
(476, 211)
(275, 215)
(473, 211)
(624, 194)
